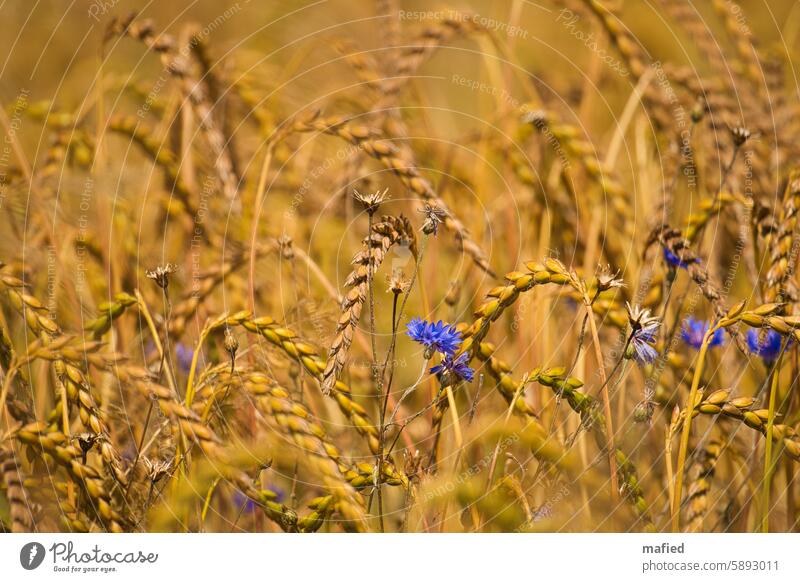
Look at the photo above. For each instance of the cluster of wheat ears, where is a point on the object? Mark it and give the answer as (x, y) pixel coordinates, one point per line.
(552, 321)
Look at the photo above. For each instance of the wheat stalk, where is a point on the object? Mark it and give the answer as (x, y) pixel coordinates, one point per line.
(387, 232)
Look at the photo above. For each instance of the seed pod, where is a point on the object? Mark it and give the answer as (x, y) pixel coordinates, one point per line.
(752, 319)
(767, 309)
(752, 420)
(709, 408)
(763, 414)
(778, 432)
(717, 397)
(742, 402)
(792, 320)
(555, 266)
(736, 310)
(779, 325)
(730, 410)
(792, 448)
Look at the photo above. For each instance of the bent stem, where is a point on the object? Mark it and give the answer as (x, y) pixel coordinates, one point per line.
(612, 457)
(408, 391)
(668, 456)
(9, 376)
(139, 448)
(259, 203)
(156, 339)
(190, 389)
(509, 411)
(687, 426)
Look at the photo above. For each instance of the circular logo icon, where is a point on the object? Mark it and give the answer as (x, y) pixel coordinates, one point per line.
(31, 555)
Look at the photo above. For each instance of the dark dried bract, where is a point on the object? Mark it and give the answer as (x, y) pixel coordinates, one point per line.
(740, 135)
(161, 274)
(434, 216)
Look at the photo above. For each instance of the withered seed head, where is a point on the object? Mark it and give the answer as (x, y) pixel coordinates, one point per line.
(608, 280)
(740, 135)
(397, 282)
(537, 118)
(371, 202)
(639, 317)
(231, 343)
(643, 412)
(285, 247)
(231, 346)
(161, 274)
(157, 470)
(699, 110)
(86, 441)
(434, 216)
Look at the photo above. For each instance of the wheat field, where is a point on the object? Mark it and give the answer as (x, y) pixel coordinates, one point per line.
(393, 267)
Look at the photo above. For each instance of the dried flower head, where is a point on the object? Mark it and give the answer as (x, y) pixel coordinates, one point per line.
(371, 202)
(608, 280)
(285, 247)
(699, 110)
(86, 440)
(434, 216)
(397, 283)
(643, 411)
(161, 274)
(231, 346)
(537, 118)
(639, 317)
(740, 135)
(157, 470)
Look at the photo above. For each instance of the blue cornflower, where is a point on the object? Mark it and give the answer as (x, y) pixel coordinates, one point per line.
(149, 350)
(242, 501)
(452, 369)
(644, 328)
(129, 453)
(248, 505)
(768, 348)
(436, 337)
(184, 356)
(676, 261)
(641, 342)
(279, 493)
(695, 330)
